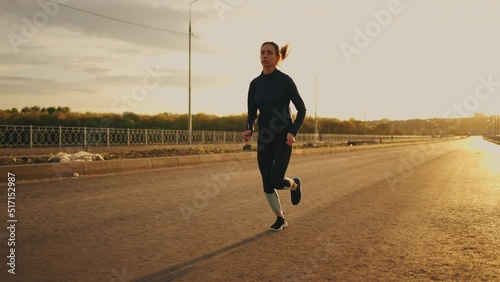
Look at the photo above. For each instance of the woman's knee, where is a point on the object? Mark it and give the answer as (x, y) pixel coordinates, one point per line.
(278, 183)
(269, 189)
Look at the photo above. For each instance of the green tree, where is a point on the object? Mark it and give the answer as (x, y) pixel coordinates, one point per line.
(51, 110)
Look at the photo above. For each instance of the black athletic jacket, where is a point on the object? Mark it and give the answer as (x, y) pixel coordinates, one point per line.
(271, 94)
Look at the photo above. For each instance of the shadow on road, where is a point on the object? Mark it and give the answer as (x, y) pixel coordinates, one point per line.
(179, 270)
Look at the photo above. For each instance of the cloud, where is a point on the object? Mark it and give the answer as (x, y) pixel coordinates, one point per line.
(22, 13)
(15, 80)
(103, 85)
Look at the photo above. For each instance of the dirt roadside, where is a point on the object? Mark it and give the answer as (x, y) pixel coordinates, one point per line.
(22, 156)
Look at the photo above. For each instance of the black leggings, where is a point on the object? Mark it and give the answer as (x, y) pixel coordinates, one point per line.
(273, 156)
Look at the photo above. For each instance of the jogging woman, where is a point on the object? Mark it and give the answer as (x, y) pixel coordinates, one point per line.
(270, 94)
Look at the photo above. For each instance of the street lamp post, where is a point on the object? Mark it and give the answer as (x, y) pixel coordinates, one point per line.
(496, 126)
(315, 111)
(364, 116)
(190, 118)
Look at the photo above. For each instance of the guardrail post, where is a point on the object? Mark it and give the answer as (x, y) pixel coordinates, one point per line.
(214, 137)
(203, 137)
(146, 136)
(107, 136)
(60, 136)
(85, 136)
(162, 137)
(128, 137)
(31, 136)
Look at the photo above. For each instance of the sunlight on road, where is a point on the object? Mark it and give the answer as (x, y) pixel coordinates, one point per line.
(488, 152)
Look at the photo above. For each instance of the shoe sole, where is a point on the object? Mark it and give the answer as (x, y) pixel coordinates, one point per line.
(296, 195)
(276, 230)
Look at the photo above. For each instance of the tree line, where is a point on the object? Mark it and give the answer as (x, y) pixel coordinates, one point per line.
(63, 116)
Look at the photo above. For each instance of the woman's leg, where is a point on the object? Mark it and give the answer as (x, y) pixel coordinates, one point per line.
(282, 156)
(266, 158)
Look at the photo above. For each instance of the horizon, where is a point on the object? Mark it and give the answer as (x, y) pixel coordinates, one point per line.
(476, 115)
(366, 61)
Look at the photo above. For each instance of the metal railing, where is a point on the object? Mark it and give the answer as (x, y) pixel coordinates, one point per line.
(62, 136)
(492, 138)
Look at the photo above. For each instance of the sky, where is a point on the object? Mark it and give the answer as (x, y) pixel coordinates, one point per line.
(395, 59)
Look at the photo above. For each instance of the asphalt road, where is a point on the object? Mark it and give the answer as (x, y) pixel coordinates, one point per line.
(418, 212)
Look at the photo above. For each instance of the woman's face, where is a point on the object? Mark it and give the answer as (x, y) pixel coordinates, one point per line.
(268, 56)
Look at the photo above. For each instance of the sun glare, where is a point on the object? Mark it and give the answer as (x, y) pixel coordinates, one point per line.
(488, 152)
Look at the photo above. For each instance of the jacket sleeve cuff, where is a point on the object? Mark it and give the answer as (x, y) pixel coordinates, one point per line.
(293, 131)
(250, 127)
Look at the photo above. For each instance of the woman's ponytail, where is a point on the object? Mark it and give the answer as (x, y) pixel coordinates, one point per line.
(284, 50)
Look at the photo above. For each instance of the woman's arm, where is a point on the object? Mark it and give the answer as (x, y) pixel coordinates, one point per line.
(252, 108)
(299, 106)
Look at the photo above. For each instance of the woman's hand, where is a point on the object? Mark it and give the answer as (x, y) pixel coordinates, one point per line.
(246, 135)
(290, 139)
